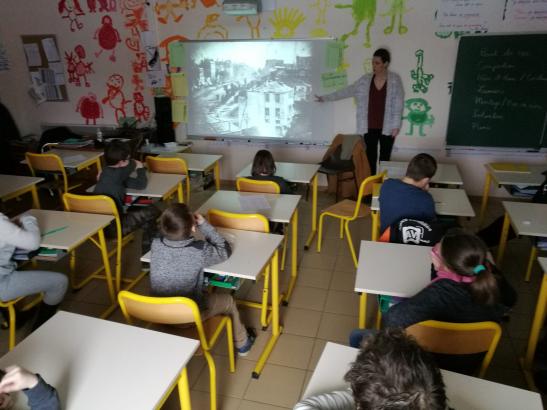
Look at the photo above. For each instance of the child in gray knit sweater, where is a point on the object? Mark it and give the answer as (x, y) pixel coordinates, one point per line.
(177, 262)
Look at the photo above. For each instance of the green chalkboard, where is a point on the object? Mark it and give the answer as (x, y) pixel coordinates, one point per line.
(499, 95)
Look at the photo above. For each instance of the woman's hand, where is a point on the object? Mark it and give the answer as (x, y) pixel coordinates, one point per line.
(318, 98)
(395, 132)
(199, 218)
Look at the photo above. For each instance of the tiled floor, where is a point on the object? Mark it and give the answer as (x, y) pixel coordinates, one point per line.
(323, 308)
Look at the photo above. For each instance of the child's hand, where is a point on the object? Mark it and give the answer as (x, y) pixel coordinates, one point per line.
(99, 175)
(199, 219)
(139, 164)
(16, 379)
(6, 401)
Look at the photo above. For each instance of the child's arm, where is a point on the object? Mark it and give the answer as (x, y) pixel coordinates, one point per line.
(140, 180)
(216, 248)
(420, 307)
(26, 236)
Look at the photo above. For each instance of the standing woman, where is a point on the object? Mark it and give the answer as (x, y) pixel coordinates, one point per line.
(379, 97)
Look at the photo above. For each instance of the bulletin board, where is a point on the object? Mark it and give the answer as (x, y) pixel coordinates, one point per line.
(45, 66)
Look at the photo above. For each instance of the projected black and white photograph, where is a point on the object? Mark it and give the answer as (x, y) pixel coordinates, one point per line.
(250, 89)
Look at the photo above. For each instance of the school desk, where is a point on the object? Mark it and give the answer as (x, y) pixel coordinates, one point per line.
(200, 163)
(391, 269)
(154, 149)
(537, 325)
(448, 202)
(527, 219)
(448, 174)
(463, 392)
(531, 177)
(75, 161)
(13, 186)
(298, 174)
(68, 230)
(251, 253)
(280, 208)
(98, 364)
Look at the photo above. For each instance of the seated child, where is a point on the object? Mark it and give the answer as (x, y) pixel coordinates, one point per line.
(177, 262)
(408, 197)
(40, 395)
(121, 173)
(263, 169)
(391, 372)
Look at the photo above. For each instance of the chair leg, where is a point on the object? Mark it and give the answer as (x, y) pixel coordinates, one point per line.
(212, 379)
(350, 244)
(320, 232)
(230, 337)
(378, 318)
(342, 228)
(184, 391)
(11, 313)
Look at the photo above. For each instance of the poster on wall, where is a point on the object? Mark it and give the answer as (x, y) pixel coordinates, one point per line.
(524, 11)
(466, 15)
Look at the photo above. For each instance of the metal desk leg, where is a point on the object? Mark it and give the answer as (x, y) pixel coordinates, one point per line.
(184, 391)
(294, 257)
(313, 212)
(107, 271)
(375, 216)
(503, 238)
(35, 198)
(485, 192)
(216, 172)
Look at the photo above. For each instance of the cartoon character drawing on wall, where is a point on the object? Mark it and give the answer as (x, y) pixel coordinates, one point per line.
(104, 5)
(137, 82)
(135, 21)
(140, 111)
(170, 8)
(139, 63)
(286, 21)
(114, 95)
(361, 10)
(253, 27)
(70, 9)
(421, 79)
(212, 29)
(77, 67)
(108, 37)
(418, 115)
(89, 108)
(396, 9)
(130, 5)
(320, 18)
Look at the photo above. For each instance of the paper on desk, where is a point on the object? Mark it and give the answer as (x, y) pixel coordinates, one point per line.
(179, 84)
(33, 55)
(50, 49)
(253, 202)
(72, 159)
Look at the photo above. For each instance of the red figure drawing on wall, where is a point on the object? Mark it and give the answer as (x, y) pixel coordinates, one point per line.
(137, 82)
(70, 9)
(77, 67)
(107, 36)
(89, 108)
(114, 95)
(104, 5)
(139, 63)
(140, 111)
(135, 21)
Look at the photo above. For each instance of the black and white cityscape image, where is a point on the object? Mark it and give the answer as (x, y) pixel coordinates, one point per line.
(250, 89)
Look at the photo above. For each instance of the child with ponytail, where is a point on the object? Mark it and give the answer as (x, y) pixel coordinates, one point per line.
(466, 286)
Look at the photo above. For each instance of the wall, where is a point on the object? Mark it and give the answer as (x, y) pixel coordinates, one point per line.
(193, 19)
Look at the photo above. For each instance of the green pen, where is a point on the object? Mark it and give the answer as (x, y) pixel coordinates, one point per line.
(52, 231)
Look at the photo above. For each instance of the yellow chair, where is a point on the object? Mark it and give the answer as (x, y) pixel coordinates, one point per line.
(179, 311)
(50, 163)
(251, 185)
(170, 165)
(347, 211)
(103, 205)
(10, 305)
(458, 338)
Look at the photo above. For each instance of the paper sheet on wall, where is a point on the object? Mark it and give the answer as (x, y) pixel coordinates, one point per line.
(155, 79)
(32, 51)
(526, 11)
(252, 203)
(334, 79)
(179, 111)
(59, 71)
(50, 49)
(334, 54)
(179, 84)
(176, 54)
(459, 15)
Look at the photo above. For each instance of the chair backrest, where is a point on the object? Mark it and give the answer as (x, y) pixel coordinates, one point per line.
(167, 165)
(46, 163)
(251, 185)
(246, 222)
(366, 186)
(161, 310)
(458, 338)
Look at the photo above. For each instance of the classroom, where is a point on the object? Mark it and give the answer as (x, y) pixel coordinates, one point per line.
(197, 88)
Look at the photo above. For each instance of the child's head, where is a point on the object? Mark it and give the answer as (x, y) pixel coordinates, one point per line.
(393, 372)
(466, 254)
(116, 153)
(177, 222)
(263, 164)
(421, 169)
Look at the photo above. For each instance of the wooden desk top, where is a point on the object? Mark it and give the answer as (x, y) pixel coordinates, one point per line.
(532, 178)
(527, 218)
(13, 183)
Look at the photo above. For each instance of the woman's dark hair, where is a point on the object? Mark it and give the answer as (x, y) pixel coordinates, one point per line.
(176, 222)
(115, 152)
(421, 166)
(263, 163)
(393, 373)
(383, 54)
(466, 254)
